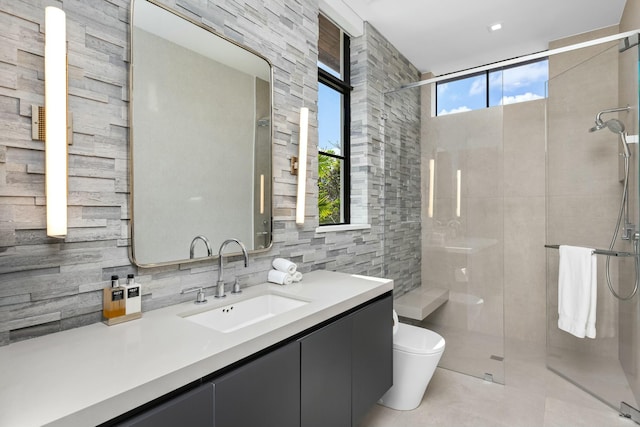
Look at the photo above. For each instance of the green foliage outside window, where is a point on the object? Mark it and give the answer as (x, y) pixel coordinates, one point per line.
(329, 180)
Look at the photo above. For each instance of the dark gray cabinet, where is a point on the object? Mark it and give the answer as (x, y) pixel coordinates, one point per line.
(194, 408)
(265, 392)
(330, 376)
(347, 366)
(325, 388)
(372, 357)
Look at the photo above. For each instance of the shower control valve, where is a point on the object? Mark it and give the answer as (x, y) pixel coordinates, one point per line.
(629, 232)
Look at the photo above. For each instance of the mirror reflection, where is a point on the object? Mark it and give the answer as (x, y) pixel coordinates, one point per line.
(201, 139)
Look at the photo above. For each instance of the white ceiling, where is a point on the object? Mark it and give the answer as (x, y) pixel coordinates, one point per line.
(444, 36)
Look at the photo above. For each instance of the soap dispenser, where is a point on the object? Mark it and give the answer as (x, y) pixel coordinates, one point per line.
(133, 296)
(113, 303)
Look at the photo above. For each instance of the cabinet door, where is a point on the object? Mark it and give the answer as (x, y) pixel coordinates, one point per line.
(193, 408)
(372, 355)
(264, 392)
(326, 376)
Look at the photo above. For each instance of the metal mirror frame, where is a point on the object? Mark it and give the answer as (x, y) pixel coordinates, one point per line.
(132, 256)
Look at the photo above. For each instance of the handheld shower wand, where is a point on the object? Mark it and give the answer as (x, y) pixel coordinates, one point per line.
(628, 229)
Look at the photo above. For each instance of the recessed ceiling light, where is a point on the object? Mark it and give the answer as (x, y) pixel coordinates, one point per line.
(495, 27)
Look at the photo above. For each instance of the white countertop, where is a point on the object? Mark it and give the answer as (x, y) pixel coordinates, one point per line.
(88, 375)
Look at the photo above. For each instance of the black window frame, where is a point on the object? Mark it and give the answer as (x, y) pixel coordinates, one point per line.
(486, 75)
(343, 86)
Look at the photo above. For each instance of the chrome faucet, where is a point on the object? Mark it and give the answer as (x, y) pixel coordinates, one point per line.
(220, 283)
(193, 245)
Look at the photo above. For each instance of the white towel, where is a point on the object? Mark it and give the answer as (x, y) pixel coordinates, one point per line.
(577, 291)
(297, 276)
(279, 277)
(395, 322)
(285, 265)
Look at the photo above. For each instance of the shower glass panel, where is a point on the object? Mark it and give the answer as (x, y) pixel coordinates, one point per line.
(401, 192)
(461, 210)
(585, 174)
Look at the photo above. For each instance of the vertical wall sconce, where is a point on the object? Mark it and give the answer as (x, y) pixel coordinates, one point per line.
(302, 164)
(458, 191)
(261, 194)
(432, 186)
(55, 118)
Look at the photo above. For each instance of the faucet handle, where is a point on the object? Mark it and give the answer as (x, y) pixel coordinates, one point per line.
(200, 297)
(236, 287)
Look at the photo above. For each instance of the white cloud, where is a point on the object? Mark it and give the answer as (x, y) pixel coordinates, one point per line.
(519, 98)
(524, 75)
(442, 88)
(455, 110)
(478, 86)
(495, 79)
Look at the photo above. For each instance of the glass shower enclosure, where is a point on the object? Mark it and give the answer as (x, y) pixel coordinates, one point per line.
(499, 184)
(585, 183)
(457, 225)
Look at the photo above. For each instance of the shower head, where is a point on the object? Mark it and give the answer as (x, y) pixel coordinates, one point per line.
(614, 125)
(599, 125)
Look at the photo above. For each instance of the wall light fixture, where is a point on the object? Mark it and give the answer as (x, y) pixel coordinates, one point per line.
(432, 186)
(261, 194)
(299, 165)
(55, 118)
(458, 191)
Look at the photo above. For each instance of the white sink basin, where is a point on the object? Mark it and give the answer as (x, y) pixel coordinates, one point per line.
(245, 312)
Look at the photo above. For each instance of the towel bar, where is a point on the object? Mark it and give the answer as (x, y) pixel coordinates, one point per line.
(600, 251)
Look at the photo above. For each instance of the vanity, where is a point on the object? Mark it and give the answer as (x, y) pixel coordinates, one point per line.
(314, 353)
(325, 362)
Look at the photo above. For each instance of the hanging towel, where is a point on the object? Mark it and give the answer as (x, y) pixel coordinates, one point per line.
(577, 291)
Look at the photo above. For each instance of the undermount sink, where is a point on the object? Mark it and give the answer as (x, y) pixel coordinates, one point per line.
(237, 315)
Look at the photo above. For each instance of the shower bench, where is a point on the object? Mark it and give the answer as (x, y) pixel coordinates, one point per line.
(420, 302)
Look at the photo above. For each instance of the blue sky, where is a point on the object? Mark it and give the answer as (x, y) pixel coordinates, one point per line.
(329, 119)
(517, 84)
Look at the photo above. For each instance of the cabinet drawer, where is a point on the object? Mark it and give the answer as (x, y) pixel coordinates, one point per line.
(193, 408)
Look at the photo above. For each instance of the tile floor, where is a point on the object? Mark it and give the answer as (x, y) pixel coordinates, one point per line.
(532, 396)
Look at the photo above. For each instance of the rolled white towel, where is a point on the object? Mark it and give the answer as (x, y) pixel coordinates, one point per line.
(285, 265)
(297, 276)
(279, 277)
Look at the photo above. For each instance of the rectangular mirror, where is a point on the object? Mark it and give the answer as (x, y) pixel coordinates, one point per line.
(200, 139)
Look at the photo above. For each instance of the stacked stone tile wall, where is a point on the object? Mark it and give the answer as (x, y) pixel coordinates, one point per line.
(48, 285)
(396, 133)
(402, 204)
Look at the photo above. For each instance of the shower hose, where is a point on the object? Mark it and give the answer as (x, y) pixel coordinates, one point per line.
(636, 243)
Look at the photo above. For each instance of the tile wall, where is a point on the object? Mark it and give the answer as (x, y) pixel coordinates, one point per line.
(48, 285)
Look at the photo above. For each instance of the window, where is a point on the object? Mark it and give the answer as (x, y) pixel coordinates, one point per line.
(519, 83)
(333, 124)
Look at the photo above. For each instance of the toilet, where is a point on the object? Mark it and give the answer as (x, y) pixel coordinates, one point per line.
(416, 353)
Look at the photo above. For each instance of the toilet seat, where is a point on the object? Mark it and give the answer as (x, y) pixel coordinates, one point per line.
(415, 340)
